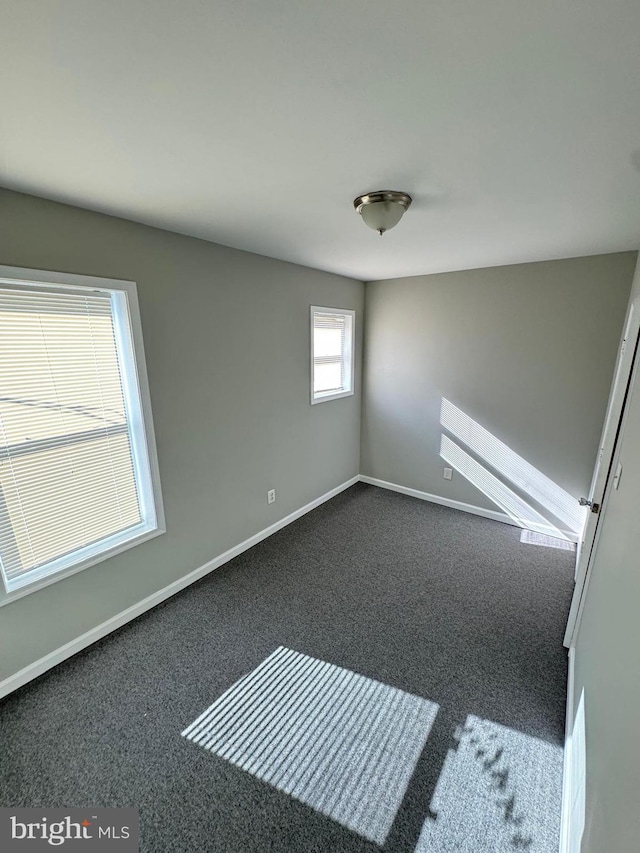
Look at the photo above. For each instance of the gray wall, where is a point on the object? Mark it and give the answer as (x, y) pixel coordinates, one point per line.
(226, 335)
(606, 656)
(527, 351)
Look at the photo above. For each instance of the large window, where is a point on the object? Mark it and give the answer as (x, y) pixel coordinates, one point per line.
(332, 357)
(78, 474)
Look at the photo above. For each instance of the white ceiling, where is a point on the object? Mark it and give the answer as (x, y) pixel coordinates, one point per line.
(514, 124)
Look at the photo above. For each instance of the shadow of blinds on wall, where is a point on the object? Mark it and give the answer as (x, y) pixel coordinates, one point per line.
(508, 467)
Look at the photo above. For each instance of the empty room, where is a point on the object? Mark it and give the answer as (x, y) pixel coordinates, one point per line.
(319, 419)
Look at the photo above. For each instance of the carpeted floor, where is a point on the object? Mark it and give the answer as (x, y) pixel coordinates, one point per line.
(376, 590)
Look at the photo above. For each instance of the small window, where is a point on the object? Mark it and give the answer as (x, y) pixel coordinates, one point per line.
(332, 362)
(78, 473)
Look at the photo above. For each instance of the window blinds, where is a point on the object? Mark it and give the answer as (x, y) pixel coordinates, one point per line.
(329, 352)
(67, 472)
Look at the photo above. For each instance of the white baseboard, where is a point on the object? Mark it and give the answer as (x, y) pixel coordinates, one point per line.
(495, 515)
(33, 670)
(38, 667)
(437, 499)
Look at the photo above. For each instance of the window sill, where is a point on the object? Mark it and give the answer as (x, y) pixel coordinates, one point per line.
(47, 580)
(326, 397)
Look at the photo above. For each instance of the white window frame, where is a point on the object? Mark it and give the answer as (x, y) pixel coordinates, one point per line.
(350, 361)
(128, 332)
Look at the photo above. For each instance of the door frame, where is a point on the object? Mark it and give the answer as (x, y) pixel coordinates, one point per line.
(598, 492)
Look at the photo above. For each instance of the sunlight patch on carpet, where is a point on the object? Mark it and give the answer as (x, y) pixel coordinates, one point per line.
(531, 537)
(499, 792)
(344, 744)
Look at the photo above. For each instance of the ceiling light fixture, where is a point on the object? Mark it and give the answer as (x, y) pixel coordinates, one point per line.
(382, 209)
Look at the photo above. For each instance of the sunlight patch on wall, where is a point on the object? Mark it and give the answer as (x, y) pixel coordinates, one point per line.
(344, 744)
(516, 508)
(499, 790)
(513, 467)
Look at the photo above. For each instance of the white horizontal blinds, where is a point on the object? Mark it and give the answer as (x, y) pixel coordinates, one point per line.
(329, 352)
(66, 471)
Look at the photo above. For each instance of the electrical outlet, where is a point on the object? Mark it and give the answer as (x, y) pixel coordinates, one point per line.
(448, 473)
(271, 496)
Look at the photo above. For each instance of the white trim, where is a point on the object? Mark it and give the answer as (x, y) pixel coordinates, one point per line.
(110, 547)
(350, 357)
(567, 790)
(438, 499)
(578, 602)
(38, 667)
(494, 515)
(128, 330)
(621, 390)
(573, 809)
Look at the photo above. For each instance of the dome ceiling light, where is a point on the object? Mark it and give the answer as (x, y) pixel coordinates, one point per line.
(382, 209)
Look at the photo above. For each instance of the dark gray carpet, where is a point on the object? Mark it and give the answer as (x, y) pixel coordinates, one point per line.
(446, 606)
